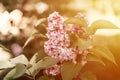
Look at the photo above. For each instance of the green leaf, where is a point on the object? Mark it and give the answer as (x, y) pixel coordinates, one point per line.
(10, 75)
(41, 25)
(41, 54)
(5, 53)
(20, 70)
(101, 24)
(40, 21)
(6, 64)
(91, 57)
(84, 44)
(80, 21)
(33, 59)
(69, 70)
(17, 72)
(20, 59)
(42, 64)
(33, 37)
(103, 51)
(4, 48)
(81, 43)
(43, 78)
(87, 76)
(36, 57)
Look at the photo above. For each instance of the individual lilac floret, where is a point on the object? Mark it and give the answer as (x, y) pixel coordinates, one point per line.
(58, 42)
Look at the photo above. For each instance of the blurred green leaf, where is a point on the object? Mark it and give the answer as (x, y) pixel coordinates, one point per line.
(103, 51)
(33, 37)
(5, 53)
(69, 70)
(84, 44)
(20, 59)
(20, 70)
(101, 24)
(91, 57)
(75, 20)
(6, 64)
(87, 76)
(40, 21)
(4, 48)
(42, 64)
(41, 25)
(10, 75)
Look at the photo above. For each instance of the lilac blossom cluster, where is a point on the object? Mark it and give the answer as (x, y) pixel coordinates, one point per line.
(58, 44)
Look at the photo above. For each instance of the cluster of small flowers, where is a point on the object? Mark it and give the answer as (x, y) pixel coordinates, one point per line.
(77, 29)
(58, 44)
(54, 70)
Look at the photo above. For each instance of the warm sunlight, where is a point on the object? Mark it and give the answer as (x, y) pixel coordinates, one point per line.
(59, 39)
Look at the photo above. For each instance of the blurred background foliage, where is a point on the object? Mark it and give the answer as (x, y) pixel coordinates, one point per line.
(34, 10)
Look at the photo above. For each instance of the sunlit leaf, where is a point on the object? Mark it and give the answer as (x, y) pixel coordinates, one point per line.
(33, 37)
(10, 75)
(111, 39)
(107, 32)
(6, 64)
(80, 21)
(91, 57)
(103, 51)
(87, 76)
(70, 70)
(101, 24)
(20, 70)
(20, 59)
(42, 64)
